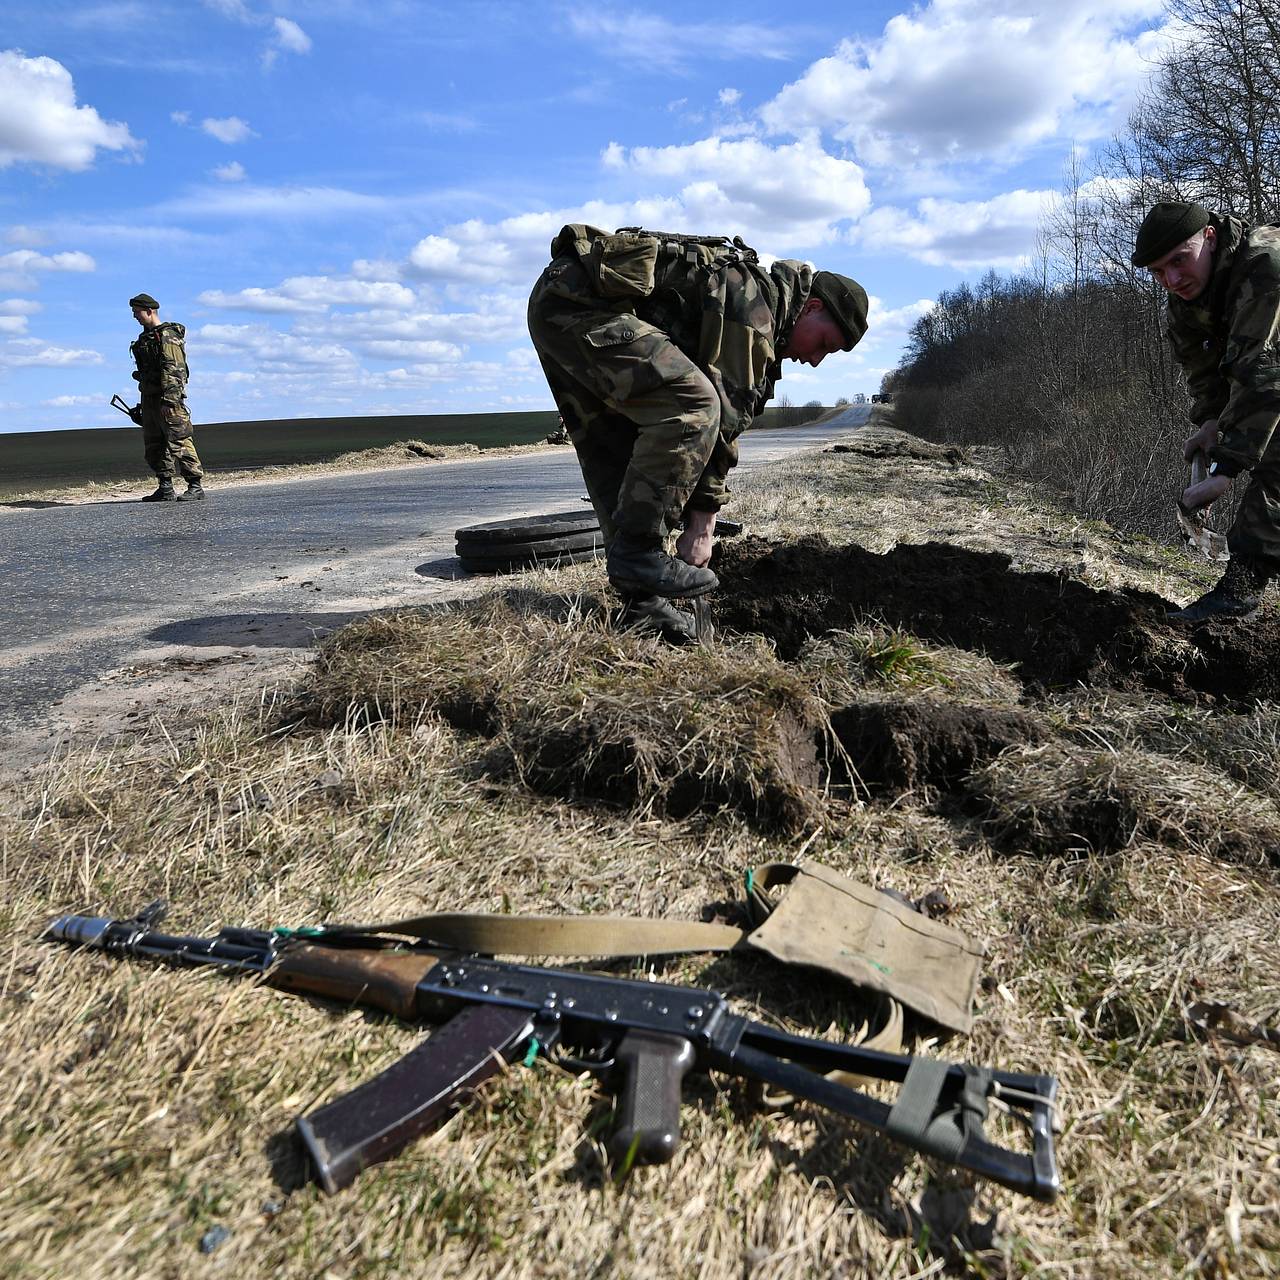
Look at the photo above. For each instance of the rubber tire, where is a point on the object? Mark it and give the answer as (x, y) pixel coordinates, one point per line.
(510, 564)
(528, 529)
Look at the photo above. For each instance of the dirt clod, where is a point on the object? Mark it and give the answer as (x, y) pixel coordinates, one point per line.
(922, 744)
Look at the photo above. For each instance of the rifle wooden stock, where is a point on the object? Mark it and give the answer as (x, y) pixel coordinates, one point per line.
(385, 980)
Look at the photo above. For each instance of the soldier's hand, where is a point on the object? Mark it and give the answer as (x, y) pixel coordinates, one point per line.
(136, 414)
(1201, 440)
(694, 544)
(1201, 496)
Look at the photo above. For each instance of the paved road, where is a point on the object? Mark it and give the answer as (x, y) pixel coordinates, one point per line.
(90, 588)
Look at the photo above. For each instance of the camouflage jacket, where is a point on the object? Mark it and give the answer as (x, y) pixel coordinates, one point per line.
(1228, 343)
(730, 315)
(733, 323)
(162, 361)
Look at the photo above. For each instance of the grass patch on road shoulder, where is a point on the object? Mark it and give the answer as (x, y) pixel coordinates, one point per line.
(147, 1107)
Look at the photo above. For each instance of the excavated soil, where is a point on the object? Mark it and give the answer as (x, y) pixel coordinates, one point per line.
(1055, 630)
(923, 744)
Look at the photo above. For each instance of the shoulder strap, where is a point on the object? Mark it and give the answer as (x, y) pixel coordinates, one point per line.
(597, 936)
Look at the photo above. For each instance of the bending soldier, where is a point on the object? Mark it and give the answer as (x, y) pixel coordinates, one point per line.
(660, 350)
(1223, 280)
(166, 425)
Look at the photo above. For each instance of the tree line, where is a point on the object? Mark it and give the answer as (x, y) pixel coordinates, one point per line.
(1064, 366)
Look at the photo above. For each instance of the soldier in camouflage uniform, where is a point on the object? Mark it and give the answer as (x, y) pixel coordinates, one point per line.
(161, 376)
(660, 350)
(1223, 323)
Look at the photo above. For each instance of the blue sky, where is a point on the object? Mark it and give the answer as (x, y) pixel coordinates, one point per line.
(347, 203)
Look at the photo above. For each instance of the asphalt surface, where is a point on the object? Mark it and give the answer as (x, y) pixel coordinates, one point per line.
(91, 588)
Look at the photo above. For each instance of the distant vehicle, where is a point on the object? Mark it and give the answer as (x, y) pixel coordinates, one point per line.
(875, 399)
(886, 397)
(860, 398)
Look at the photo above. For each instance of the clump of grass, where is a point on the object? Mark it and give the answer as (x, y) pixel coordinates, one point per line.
(1054, 799)
(846, 665)
(575, 707)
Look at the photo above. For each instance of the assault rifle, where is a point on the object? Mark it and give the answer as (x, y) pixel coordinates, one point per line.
(134, 414)
(647, 1033)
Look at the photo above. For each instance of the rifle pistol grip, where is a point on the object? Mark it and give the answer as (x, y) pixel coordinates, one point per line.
(648, 1105)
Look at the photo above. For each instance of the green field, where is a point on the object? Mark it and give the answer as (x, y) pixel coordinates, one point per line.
(48, 459)
(40, 460)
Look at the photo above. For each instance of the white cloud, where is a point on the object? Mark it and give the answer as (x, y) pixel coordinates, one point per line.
(793, 194)
(267, 346)
(68, 402)
(28, 237)
(969, 80)
(314, 293)
(653, 42)
(290, 37)
(233, 200)
(233, 172)
(19, 268)
(286, 37)
(1000, 232)
(180, 117)
(228, 129)
(730, 97)
(21, 353)
(40, 123)
(237, 10)
(14, 314)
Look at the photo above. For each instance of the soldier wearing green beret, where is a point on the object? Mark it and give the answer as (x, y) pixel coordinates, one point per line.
(161, 376)
(660, 349)
(1223, 323)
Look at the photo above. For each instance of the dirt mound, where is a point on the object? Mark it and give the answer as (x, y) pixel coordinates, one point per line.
(1055, 630)
(575, 709)
(922, 744)
(902, 447)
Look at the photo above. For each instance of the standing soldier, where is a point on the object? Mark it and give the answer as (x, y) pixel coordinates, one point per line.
(660, 350)
(166, 425)
(1223, 323)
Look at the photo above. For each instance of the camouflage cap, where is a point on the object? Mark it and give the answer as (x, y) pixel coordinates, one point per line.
(846, 300)
(144, 300)
(1167, 225)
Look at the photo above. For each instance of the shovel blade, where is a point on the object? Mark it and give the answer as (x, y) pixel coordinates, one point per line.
(1209, 542)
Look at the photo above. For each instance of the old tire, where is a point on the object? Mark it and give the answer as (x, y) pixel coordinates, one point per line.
(503, 545)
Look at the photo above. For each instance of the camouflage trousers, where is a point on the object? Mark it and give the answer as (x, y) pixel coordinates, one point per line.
(641, 415)
(166, 439)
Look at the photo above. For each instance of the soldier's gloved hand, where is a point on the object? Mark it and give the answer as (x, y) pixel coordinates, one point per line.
(136, 414)
(694, 545)
(1202, 440)
(1203, 495)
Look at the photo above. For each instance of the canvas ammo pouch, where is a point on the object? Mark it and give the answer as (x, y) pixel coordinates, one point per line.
(806, 915)
(618, 264)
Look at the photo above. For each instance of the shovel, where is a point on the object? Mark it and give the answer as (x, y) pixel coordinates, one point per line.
(1209, 542)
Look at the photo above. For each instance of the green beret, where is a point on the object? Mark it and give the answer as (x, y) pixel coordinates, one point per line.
(144, 300)
(846, 300)
(1167, 225)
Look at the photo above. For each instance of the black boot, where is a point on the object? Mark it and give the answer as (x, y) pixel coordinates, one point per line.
(640, 567)
(653, 615)
(164, 493)
(1237, 595)
(194, 493)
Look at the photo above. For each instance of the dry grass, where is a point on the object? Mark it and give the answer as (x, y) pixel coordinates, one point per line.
(145, 1107)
